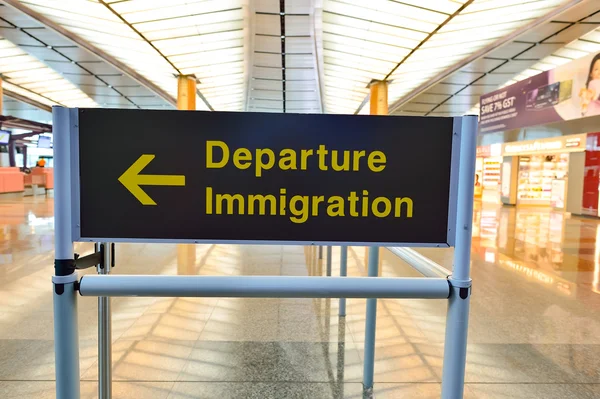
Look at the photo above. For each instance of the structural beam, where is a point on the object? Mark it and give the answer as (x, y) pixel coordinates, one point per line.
(50, 24)
(26, 100)
(481, 53)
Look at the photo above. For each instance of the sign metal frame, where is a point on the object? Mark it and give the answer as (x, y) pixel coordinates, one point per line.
(76, 208)
(67, 286)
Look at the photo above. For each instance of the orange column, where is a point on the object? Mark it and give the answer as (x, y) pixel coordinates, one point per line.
(186, 101)
(379, 97)
(378, 103)
(186, 92)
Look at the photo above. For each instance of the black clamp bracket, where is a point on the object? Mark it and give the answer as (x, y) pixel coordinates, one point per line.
(463, 286)
(64, 269)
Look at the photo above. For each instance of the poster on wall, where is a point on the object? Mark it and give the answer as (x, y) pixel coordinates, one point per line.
(570, 91)
(505, 180)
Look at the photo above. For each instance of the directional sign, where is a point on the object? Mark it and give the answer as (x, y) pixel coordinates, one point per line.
(214, 176)
(132, 180)
(4, 137)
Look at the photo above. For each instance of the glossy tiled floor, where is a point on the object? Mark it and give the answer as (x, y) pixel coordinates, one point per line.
(534, 332)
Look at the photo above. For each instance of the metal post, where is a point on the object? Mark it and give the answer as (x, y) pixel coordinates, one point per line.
(12, 150)
(329, 251)
(341, 355)
(24, 149)
(371, 319)
(104, 329)
(66, 334)
(457, 320)
(343, 273)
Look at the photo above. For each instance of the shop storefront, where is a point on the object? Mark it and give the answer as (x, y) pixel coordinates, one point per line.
(487, 172)
(536, 172)
(560, 167)
(590, 195)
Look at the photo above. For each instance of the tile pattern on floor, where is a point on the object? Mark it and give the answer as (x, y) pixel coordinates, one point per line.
(534, 330)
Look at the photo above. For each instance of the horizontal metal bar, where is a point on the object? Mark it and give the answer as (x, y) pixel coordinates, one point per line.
(263, 286)
(420, 263)
(258, 242)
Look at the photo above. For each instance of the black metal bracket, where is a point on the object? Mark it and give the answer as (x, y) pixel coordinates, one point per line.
(97, 258)
(66, 267)
(91, 260)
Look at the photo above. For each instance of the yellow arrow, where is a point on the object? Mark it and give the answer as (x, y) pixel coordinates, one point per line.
(132, 180)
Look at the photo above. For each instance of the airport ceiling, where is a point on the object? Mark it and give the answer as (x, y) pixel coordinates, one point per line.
(297, 56)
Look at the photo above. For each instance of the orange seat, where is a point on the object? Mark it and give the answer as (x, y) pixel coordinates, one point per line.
(11, 180)
(47, 176)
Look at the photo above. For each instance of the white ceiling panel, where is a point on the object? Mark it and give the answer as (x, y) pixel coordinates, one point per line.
(289, 56)
(297, 25)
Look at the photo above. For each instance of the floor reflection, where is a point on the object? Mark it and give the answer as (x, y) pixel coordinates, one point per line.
(543, 245)
(534, 323)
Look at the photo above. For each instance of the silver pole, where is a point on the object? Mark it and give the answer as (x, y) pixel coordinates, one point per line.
(341, 355)
(329, 251)
(343, 273)
(104, 329)
(315, 261)
(457, 320)
(370, 324)
(66, 334)
(263, 286)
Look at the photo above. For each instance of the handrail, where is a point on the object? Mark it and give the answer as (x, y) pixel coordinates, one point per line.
(420, 263)
(263, 286)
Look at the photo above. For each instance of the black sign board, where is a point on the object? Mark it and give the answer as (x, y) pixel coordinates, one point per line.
(217, 176)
